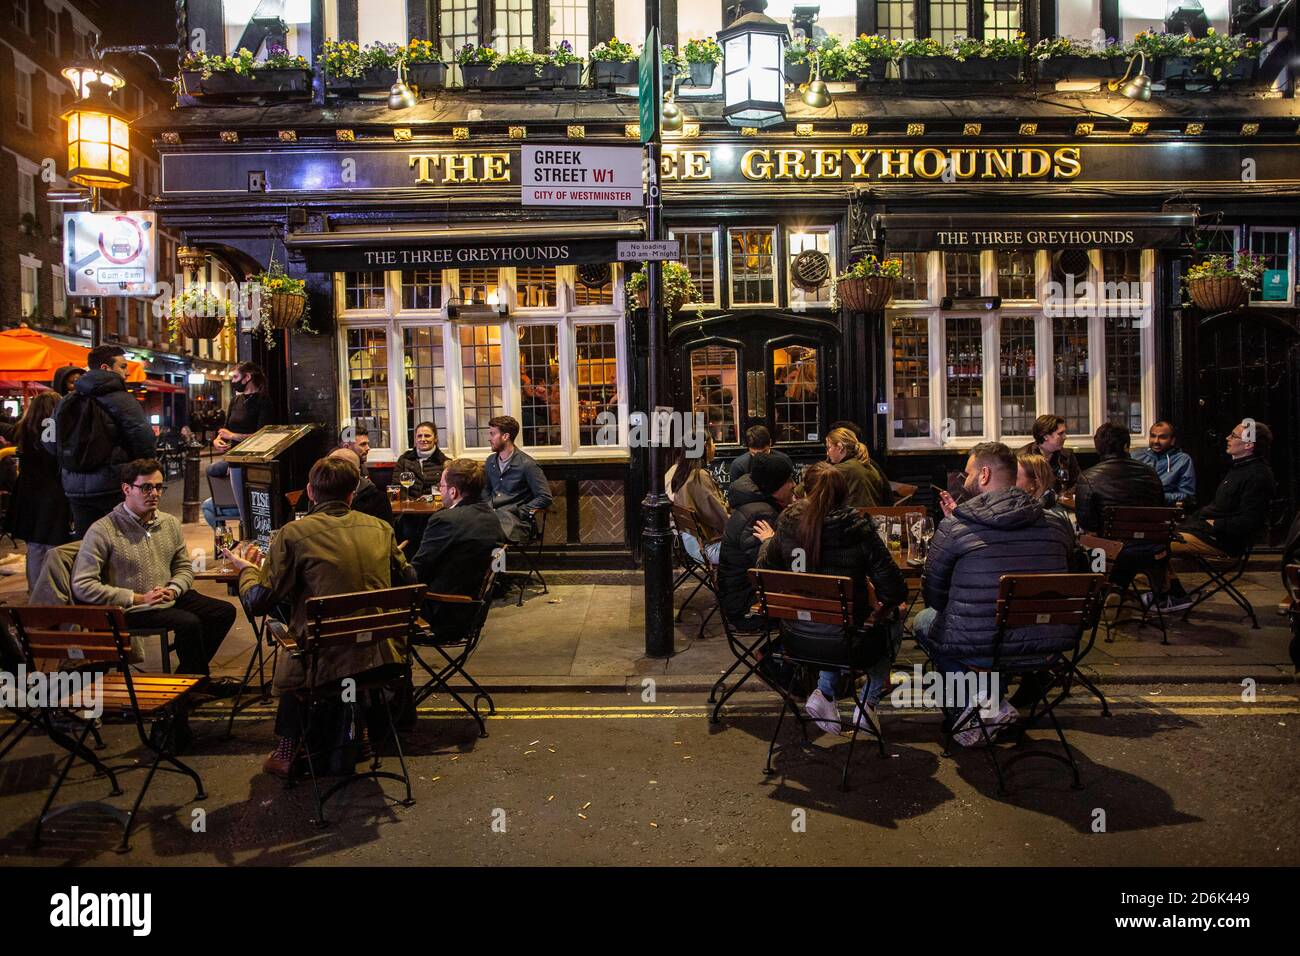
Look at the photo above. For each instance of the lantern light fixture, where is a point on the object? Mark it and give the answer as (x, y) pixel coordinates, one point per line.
(400, 95)
(99, 140)
(753, 68)
(84, 75)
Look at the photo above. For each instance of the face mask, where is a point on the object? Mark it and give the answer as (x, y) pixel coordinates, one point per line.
(239, 386)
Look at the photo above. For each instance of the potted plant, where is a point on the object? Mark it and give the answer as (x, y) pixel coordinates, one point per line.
(702, 59)
(563, 67)
(866, 57)
(674, 65)
(867, 285)
(279, 76)
(351, 70)
(1220, 284)
(1061, 58)
(198, 313)
(1169, 55)
(476, 64)
(279, 300)
(613, 63)
(966, 61)
(425, 69)
(1222, 59)
(678, 287)
(834, 60)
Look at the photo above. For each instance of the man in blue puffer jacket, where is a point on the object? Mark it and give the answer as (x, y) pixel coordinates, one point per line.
(95, 492)
(999, 529)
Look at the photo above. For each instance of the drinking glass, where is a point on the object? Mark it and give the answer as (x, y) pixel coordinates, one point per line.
(882, 526)
(406, 479)
(895, 534)
(225, 542)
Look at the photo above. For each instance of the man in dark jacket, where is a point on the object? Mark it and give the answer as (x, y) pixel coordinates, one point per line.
(759, 442)
(516, 487)
(758, 495)
(999, 529)
(91, 480)
(1229, 524)
(458, 546)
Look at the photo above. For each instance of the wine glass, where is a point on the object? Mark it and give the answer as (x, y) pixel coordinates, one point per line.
(225, 542)
(406, 479)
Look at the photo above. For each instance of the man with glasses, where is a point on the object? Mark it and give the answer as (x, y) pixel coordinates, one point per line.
(135, 558)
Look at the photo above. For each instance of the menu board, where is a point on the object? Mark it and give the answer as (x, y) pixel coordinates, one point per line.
(259, 514)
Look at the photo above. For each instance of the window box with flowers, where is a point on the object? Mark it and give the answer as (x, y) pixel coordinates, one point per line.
(352, 70)
(702, 59)
(278, 77)
(966, 61)
(425, 69)
(834, 59)
(613, 63)
(1220, 284)
(1198, 63)
(198, 313)
(1063, 59)
(678, 288)
(867, 285)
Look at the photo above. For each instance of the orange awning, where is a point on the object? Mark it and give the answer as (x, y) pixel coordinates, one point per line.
(30, 356)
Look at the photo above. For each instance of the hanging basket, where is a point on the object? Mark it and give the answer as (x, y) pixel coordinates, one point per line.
(1218, 294)
(671, 304)
(870, 294)
(201, 326)
(284, 309)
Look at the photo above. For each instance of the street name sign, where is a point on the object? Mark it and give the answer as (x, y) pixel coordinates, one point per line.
(664, 250)
(580, 176)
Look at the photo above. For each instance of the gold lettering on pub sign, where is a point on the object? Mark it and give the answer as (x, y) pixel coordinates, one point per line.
(900, 163)
(460, 168)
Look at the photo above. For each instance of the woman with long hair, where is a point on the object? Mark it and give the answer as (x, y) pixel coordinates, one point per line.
(1034, 475)
(867, 486)
(690, 485)
(822, 534)
(38, 511)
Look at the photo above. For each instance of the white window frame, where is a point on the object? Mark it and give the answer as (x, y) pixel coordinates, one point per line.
(29, 300)
(52, 35)
(393, 319)
(794, 295)
(23, 85)
(22, 18)
(991, 328)
(1291, 266)
(59, 297)
(778, 267)
(27, 190)
(678, 234)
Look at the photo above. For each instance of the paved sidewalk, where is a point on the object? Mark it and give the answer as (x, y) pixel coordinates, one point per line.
(588, 634)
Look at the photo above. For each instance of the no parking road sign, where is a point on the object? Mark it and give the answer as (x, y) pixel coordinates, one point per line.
(110, 253)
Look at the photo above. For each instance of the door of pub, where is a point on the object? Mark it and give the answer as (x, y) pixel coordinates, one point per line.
(772, 369)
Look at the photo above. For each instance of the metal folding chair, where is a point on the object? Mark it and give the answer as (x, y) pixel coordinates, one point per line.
(1133, 527)
(817, 599)
(747, 646)
(685, 521)
(455, 648)
(363, 617)
(531, 551)
(1035, 600)
(1222, 575)
(100, 639)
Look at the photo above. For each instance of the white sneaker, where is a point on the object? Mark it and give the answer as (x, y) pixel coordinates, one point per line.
(1171, 604)
(1005, 717)
(867, 719)
(823, 712)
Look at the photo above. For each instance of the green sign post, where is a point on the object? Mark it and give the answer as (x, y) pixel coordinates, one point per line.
(647, 94)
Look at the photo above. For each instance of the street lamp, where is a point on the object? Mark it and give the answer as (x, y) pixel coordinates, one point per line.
(753, 68)
(99, 138)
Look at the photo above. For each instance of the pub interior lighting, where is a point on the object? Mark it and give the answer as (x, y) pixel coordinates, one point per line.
(963, 302)
(753, 68)
(1137, 88)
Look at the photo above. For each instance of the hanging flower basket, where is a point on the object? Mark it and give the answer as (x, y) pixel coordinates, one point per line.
(201, 326)
(1218, 294)
(676, 289)
(197, 312)
(283, 309)
(865, 295)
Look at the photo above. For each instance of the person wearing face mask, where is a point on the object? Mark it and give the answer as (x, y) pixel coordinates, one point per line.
(425, 460)
(249, 411)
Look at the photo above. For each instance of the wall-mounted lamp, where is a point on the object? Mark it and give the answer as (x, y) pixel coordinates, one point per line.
(494, 308)
(1137, 88)
(818, 94)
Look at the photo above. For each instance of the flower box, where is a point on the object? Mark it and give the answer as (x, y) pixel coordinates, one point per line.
(266, 84)
(801, 73)
(567, 77)
(371, 80)
(429, 75)
(877, 70)
(609, 73)
(1188, 71)
(1218, 293)
(520, 76)
(701, 74)
(946, 69)
(1057, 68)
(870, 294)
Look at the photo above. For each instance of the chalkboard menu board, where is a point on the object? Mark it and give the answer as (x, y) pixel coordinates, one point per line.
(721, 472)
(260, 514)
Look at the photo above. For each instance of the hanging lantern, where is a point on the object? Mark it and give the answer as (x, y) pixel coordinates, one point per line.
(753, 68)
(85, 77)
(99, 141)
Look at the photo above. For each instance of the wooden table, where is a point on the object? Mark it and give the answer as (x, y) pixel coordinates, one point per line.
(416, 507)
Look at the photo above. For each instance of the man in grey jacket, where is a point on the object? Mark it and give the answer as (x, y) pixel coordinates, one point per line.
(135, 558)
(516, 487)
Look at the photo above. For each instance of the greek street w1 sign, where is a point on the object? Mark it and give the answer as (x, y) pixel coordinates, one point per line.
(581, 176)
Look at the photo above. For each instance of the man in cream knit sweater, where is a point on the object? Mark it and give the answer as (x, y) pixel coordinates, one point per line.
(135, 557)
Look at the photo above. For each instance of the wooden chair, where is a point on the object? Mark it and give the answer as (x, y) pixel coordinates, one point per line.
(1035, 600)
(1149, 529)
(685, 521)
(455, 647)
(795, 597)
(360, 618)
(100, 640)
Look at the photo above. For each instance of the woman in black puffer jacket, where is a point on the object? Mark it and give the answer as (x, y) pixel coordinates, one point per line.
(835, 540)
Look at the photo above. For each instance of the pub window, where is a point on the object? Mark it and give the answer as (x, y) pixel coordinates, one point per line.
(1122, 266)
(513, 25)
(570, 21)
(753, 266)
(457, 25)
(948, 20)
(539, 385)
(536, 287)
(425, 372)
(363, 291)
(796, 412)
(478, 286)
(596, 348)
(715, 393)
(422, 289)
(965, 360)
(914, 285)
(1018, 374)
(1218, 240)
(1001, 19)
(819, 240)
(699, 253)
(911, 376)
(593, 285)
(896, 19)
(1070, 373)
(482, 391)
(1017, 274)
(1277, 246)
(367, 365)
(1124, 372)
(961, 273)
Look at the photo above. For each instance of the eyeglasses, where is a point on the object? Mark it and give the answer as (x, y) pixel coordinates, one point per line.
(149, 487)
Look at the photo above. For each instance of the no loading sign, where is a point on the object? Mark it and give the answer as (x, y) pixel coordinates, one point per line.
(111, 253)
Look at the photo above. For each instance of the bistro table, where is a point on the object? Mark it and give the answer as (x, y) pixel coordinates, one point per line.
(416, 506)
(229, 576)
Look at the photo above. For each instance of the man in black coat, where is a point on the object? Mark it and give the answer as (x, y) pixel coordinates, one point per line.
(1121, 482)
(92, 486)
(369, 498)
(458, 546)
(758, 495)
(759, 442)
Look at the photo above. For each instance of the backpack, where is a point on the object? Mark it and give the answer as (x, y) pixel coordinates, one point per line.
(85, 434)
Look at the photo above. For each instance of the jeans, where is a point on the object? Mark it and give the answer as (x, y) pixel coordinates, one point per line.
(212, 515)
(35, 562)
(200, 623)
(953, 671)
(86, 511)
(877, 675)
(222, 468)
(711, 551)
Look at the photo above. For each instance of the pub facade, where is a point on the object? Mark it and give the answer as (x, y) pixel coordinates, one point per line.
(1043, 237)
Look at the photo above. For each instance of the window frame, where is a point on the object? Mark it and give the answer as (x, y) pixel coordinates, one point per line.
(1290, 300)
(788, 233)
(23, 9)
(678, 234)
(778, 266)
(869, 18)
(29, 266)
(53, 32)
(27, 77)
(58, 292)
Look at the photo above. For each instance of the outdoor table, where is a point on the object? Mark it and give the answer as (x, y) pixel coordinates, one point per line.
(229, 576)
(416, 507)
